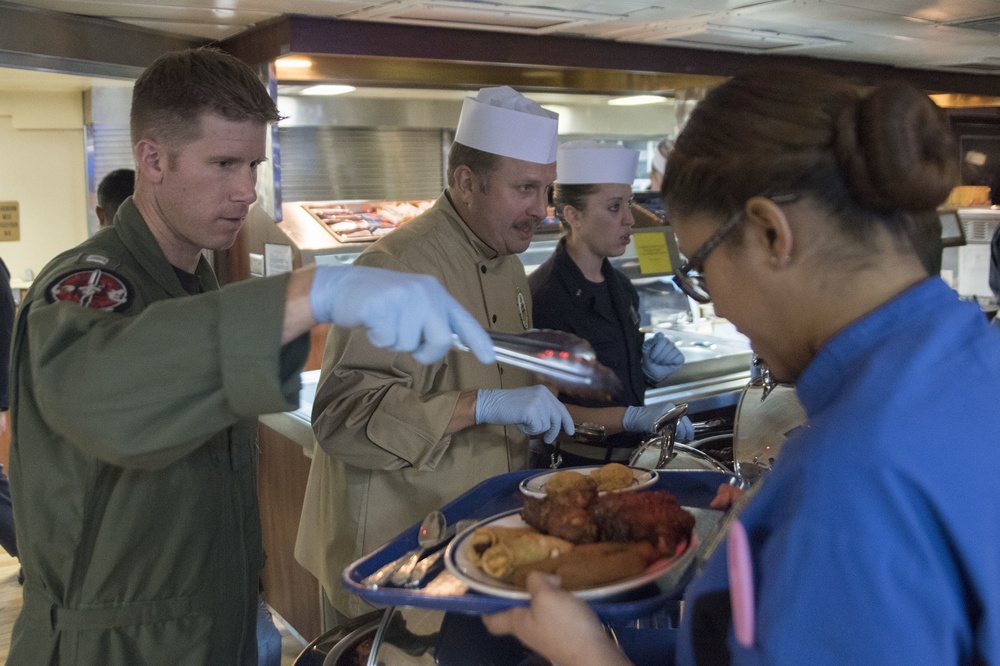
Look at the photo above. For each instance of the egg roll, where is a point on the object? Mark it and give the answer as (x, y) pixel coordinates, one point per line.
(592, 565)
(499, 560)
(490, 535)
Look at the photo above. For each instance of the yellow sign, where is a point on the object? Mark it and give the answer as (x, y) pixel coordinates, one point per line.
(651, 248)
(10, 221)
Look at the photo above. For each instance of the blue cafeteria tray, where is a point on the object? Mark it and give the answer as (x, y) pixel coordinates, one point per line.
(500, 493)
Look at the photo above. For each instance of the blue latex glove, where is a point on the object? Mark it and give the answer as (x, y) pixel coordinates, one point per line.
(660, 358)
(402, 311)
(533, 409)
(641, 419)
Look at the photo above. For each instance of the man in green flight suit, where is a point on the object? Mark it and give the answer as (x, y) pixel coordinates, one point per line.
(137, 382)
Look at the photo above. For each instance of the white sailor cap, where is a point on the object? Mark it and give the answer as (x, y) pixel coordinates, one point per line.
(504, 122)
(659, 161)
(591, 162)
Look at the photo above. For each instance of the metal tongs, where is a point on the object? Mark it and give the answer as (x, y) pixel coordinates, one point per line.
(565, 359)
(665, 428)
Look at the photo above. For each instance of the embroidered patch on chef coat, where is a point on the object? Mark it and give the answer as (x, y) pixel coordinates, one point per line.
(522, 309)
(92, 288)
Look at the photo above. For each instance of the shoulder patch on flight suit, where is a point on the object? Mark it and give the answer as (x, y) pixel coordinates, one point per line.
(92, 288)
(522, 309)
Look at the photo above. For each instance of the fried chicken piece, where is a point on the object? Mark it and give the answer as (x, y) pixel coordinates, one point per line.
(572, 523)
(654, 516)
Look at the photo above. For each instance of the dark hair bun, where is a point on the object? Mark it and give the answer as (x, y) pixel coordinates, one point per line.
(897, 149)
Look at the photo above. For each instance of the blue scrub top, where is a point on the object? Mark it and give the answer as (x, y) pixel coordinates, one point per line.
(876, 537)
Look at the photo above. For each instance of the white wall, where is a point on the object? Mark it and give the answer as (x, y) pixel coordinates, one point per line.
(42, 167)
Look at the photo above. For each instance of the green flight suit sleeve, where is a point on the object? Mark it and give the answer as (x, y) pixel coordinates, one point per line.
(145, 390)
(376, 409)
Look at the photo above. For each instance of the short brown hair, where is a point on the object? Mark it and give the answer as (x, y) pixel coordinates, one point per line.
(171, 95)
(480, 162)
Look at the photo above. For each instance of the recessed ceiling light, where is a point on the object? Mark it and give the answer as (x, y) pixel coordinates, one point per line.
(636, 100)
(294, 62)
(328, 89)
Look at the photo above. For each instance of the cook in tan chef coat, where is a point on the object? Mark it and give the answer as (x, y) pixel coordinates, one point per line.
(398, 439)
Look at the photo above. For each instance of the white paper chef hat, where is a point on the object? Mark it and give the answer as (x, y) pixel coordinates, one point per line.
(504, 122)
(589, 162)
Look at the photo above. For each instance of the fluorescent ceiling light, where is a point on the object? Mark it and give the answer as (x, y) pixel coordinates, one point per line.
(636, 100)
(328, 89)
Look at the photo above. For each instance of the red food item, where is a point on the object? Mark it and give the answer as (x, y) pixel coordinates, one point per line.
(655, 517)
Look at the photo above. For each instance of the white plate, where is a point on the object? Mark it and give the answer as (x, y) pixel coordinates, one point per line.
(534, 486)
(456, 559)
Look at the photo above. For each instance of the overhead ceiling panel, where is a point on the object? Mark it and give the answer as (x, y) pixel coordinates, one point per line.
(990, 25)
(981, 66)
(608, 7)
(479, 15)
(938, 11)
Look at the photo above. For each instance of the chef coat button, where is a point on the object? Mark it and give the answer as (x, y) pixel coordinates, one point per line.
(482, 268)
(494, 319)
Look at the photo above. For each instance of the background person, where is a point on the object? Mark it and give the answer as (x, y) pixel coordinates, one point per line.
(115, 187)
(138, 382)
(578, 290)
(869, 543)
(398, 439)
(8, 538)
(659, 165)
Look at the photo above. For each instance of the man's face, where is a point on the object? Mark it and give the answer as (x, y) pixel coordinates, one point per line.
(208, 185)
(515, 201)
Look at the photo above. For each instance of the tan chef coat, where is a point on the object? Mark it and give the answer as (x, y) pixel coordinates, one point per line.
(383, 461)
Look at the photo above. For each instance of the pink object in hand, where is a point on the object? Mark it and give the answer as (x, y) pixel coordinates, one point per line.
(740, 583)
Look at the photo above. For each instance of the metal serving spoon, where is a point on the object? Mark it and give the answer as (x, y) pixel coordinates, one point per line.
(431, 531)
(433, 563)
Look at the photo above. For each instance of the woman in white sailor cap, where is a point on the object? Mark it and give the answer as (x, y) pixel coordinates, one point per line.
(659, 165)
(579, 291)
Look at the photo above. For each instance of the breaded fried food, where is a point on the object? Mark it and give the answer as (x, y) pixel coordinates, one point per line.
(592, 565)
(654, 516)
(567, 481)
(613, 476)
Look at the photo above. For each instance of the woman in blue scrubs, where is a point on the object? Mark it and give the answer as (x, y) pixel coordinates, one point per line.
(578, 290)
(875, 538)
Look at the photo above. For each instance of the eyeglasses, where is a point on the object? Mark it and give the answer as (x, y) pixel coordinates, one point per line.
(694, 285)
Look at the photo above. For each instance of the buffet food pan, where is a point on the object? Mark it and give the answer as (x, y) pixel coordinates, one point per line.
(499, 495)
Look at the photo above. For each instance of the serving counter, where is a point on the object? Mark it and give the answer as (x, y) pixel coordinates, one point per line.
(716, 370)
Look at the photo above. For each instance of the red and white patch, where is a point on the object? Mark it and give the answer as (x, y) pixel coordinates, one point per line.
(94, 288)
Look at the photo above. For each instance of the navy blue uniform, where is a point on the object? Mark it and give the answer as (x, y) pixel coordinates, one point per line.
(605, 314)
